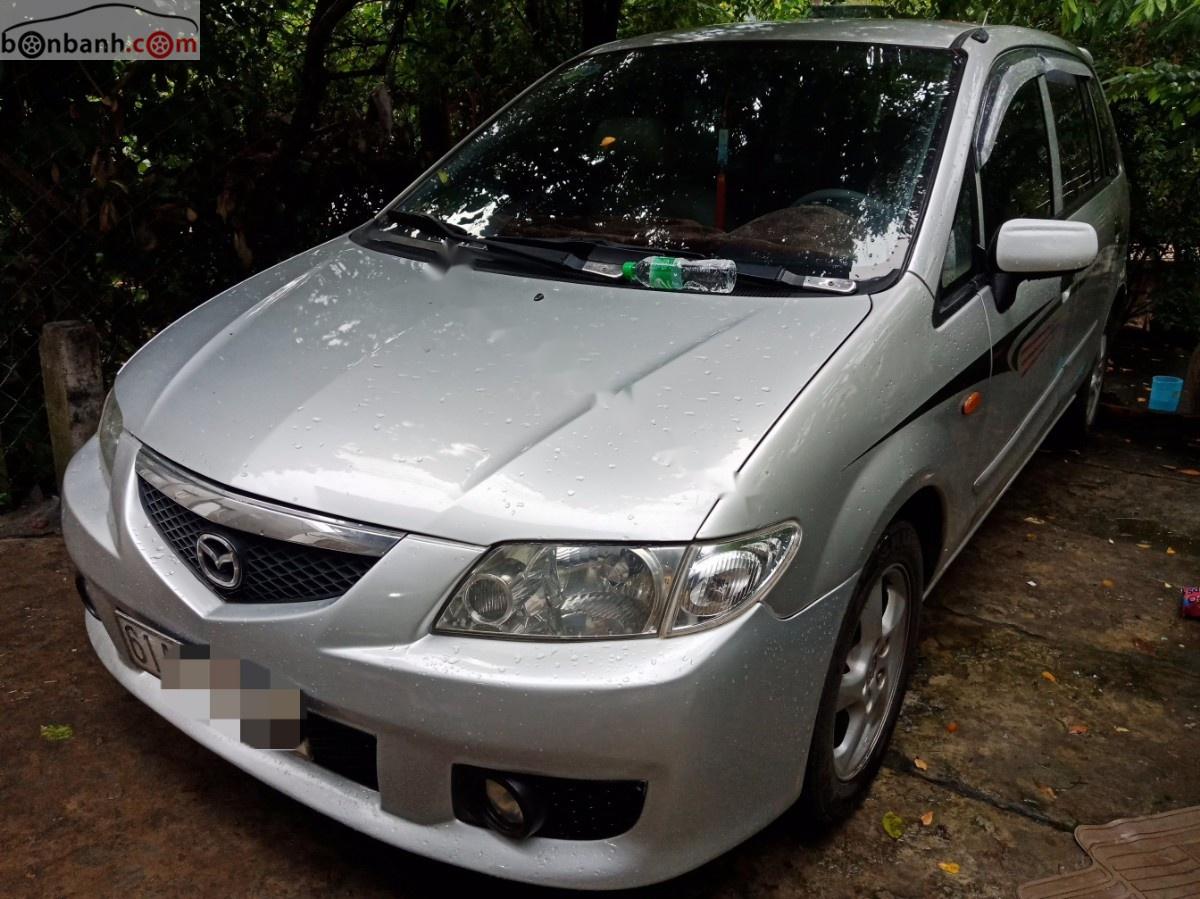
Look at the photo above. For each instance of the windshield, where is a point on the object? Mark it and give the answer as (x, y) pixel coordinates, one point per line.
(810, 155)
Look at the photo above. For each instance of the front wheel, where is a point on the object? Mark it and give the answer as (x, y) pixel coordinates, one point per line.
(867, 678)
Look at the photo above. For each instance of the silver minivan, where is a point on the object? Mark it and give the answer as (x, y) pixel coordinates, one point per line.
(586, 498)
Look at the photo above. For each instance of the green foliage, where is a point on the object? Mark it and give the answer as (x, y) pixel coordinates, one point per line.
(644, 16)
(1152, 57)
(1172, 87)
(1157, 39)
(1147, 53)
(1078, 15)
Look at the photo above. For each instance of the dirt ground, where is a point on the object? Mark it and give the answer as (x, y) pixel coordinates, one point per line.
(1057, 685)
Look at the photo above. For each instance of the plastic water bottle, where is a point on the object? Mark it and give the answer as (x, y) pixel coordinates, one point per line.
(674, 273)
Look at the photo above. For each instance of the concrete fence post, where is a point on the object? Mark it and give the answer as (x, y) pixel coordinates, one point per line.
(74, 387)
(5, 498)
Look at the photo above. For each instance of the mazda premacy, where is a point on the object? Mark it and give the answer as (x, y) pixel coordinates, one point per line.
(586, 497)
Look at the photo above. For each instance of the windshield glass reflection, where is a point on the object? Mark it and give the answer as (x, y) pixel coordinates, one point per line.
(812, 155)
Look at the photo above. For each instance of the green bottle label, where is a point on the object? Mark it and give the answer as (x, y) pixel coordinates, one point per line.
(665, 273)
(662, 272)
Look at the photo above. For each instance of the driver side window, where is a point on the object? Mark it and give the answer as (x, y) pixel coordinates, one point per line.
(1016, 180)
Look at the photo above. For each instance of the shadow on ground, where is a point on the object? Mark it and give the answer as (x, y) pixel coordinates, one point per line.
(1057, 685)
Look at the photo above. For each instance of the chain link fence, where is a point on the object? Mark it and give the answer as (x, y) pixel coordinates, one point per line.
(103, 229)
(72, 255)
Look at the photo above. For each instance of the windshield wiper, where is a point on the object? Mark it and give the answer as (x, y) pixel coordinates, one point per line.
(422, 221)
(572, 248)
(558, 256)
(547, 254)
(573, 253)
(457, 245)
(777, 274)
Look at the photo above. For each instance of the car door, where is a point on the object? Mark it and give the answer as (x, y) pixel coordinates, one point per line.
(1088, 194)
(1017, 179)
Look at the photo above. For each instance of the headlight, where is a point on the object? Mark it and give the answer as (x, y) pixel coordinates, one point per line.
(724, 577)
(111, 425)
(565, 591)
(577, 592)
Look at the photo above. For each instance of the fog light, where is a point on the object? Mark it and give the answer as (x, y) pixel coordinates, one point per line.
(503, 803)
(511, 808)
(554, 808)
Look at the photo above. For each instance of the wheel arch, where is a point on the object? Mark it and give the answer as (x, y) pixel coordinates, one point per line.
(1118, 310)
(925, 510)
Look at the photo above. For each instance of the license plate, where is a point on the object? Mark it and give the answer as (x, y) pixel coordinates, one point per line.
(146, 647)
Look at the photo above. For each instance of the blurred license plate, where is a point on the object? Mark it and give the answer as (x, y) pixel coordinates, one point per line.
(146, 647)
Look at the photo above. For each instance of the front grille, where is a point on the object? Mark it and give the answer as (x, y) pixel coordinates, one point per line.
(272, 570)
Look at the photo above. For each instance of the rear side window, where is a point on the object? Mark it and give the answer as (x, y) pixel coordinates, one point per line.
(1016, 180)
(1078, 140)
(1108, 133)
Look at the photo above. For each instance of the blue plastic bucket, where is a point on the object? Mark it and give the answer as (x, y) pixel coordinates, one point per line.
(1164, 393)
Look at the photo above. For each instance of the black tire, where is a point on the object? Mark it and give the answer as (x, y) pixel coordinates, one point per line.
(828, 797)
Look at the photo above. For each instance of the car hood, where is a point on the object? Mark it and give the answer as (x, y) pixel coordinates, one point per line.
(476, 406)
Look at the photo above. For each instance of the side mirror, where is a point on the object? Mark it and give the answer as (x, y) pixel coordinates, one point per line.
(1028, 249)
(1045, 247)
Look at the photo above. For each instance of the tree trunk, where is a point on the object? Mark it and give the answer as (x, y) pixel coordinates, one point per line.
(1190, 403)
(434, 127)
(5, 497)
(273, 237)
(313, 78)
(600, 21)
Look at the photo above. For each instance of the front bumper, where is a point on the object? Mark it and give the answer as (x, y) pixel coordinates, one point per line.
(717, 723)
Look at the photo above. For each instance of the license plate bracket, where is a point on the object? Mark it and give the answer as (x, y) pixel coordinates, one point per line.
(145, 646)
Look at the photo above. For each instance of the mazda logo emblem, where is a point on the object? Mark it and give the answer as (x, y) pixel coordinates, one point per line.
(218, 561)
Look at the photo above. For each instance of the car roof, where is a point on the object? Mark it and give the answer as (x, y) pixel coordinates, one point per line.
(904, 32)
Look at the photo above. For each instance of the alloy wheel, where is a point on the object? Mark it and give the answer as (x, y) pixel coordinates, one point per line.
(871, 672)
(1096, 382)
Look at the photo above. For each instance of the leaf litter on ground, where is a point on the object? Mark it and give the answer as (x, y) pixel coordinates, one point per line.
(57, 733)
(893, 825)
